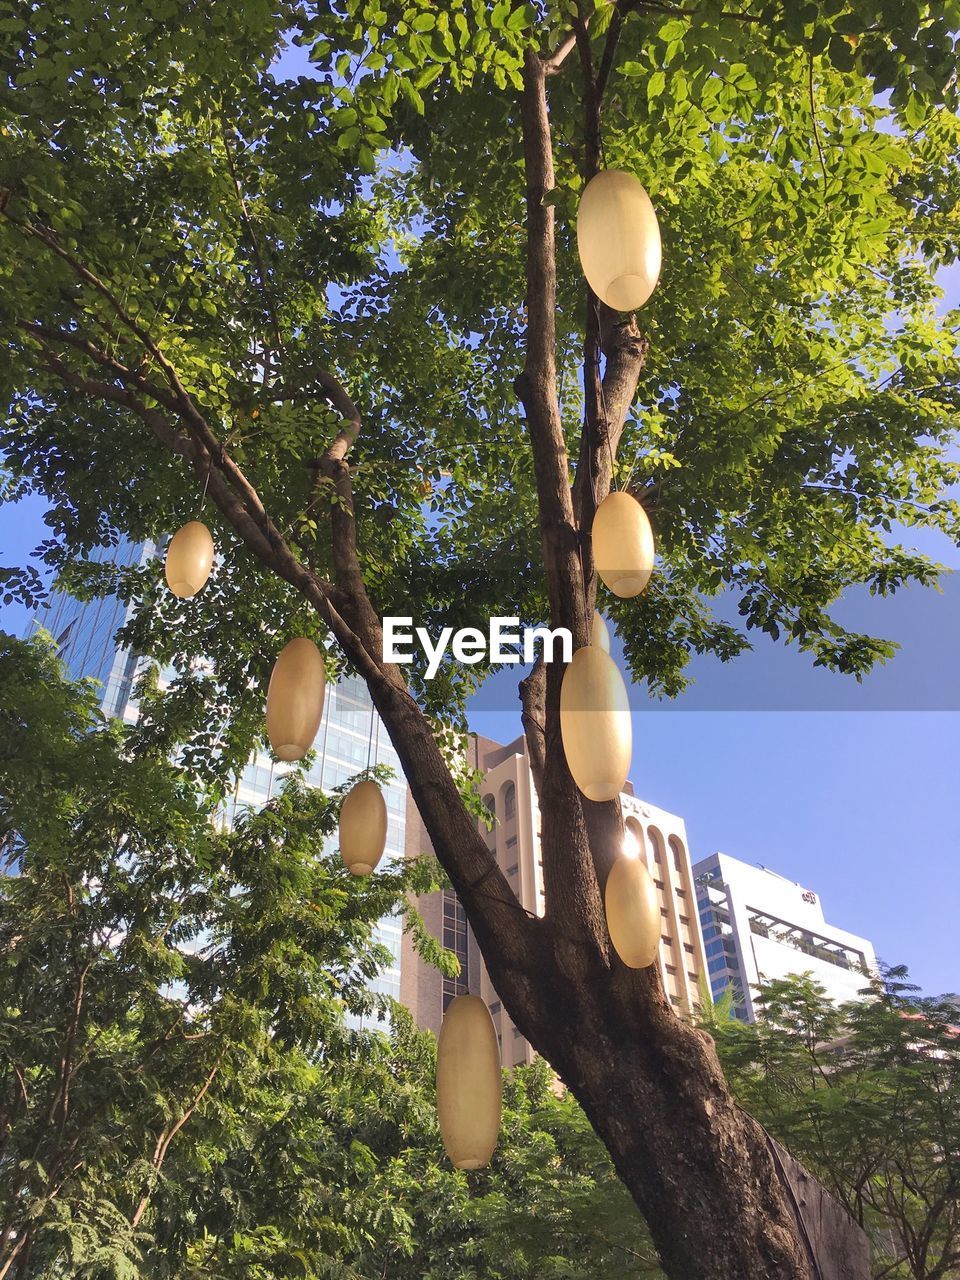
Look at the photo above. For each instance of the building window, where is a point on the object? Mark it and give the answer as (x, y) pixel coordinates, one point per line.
(512, 871)
(509, 801)
(512, 842)
(495, 1008)
(455, 940)
(676, 848)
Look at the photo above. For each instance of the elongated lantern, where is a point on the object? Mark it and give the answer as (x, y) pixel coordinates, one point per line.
(623, 548)
(633, 912)
(469, 1083)
(618, 237)
(599, 635)
(595, 724)
(363, 827)
(189, 559)
(295, 699)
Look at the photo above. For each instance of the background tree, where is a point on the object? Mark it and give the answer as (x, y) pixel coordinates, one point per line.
(209, 269)
(180, 1094)
(868, 1097)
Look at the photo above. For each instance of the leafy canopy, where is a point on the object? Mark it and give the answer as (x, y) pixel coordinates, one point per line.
(867, 1096)
(799, 398)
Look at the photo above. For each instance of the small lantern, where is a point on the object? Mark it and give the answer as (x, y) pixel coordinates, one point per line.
(623, 549)
(618, 237)
(595, 724)
(469, 1083)
(189, 559)
(599, 635)
(363, 827)
(295, 699)
(633, 912)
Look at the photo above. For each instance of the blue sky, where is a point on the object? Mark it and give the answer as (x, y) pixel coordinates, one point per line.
(852, 790)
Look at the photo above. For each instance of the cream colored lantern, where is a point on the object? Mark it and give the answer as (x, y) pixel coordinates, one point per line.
(633, 911)
(618, 237)
(623, 548)
(469, 1083)
(189, 559)
(295, 699)
(363, 827)
(599, 635)
(595, 724)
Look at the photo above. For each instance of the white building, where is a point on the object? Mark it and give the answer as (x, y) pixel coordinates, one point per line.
(757, 926)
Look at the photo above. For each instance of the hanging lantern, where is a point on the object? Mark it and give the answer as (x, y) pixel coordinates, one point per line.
(599, 635)
(623, 548)
(189, 559)
(363, 827)
(618, 237)
(633, 912)
(469, 1083)
(595, 724)
(295, 699)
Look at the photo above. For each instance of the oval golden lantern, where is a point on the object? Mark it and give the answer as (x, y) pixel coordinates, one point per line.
(599, 635)
(189, 559)
(295, 699)
(623, 548)
(618, 237)
(363, 827)
(469, 1083)
(633, 912)
(595, 724)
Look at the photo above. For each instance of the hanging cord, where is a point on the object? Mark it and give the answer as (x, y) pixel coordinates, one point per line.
(203, 495)
(373, 720)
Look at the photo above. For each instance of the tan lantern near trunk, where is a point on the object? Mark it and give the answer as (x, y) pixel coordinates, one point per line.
(469, 1083)
(363, 827)
(633, 912)
(189, 559)
(618, 237)
(599, 635)
(295, 699)
(595, 724)
(623, 548)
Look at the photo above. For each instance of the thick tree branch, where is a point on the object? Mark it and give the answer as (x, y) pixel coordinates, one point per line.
(572, 892)
(533, 701)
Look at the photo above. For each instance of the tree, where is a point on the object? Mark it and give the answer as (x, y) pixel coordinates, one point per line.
(209, 268)
(180, 1094)
(866, 1095)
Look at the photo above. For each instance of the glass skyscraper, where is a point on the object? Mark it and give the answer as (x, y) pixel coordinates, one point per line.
(351, 733)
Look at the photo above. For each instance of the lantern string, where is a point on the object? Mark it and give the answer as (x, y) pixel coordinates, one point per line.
(203, 496)
(373, 717)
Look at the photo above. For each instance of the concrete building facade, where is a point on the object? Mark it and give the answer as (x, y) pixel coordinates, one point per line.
(510, 795)
(757, 925)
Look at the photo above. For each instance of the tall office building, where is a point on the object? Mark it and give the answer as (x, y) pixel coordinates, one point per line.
(758, 925)
(85, 632)
(351, 734)
(510, 795)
